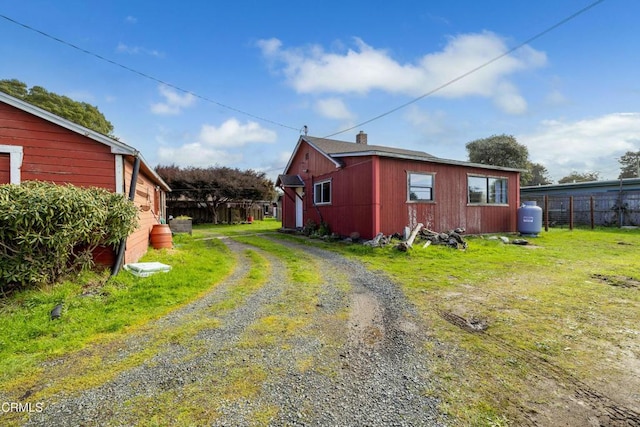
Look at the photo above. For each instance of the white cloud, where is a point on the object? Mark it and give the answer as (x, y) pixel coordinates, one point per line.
(333, 108)
(234, 134)
(131, 20)
(196, 154)
(593, 145)
(365, 68)
(213, 144)
(174, 102)
(555, 97)
(429, 123)
(138, 50)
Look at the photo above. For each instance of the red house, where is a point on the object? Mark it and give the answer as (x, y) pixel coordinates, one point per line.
(38, 145)
(356, 187)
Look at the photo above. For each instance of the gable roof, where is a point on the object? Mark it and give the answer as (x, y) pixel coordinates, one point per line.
(334, 150)
(117, 147)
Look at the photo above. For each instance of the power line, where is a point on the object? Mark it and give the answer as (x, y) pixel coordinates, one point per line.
(379, 116)
(473, 70)
(144, 75)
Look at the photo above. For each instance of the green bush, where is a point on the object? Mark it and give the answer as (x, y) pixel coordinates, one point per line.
(47, 230)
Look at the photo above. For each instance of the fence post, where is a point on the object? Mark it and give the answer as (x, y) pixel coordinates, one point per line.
(570, 212)
(546, 212)
(592, 207)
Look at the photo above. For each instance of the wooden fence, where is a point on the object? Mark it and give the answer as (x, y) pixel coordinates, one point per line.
(228, 213)
(600, 209)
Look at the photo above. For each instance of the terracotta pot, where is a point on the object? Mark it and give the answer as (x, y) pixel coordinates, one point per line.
(161, 236)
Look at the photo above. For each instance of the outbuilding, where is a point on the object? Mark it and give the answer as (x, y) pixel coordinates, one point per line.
(370, 189)
(38, 145)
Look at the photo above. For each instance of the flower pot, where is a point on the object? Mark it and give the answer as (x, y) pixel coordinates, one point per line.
(161, 236)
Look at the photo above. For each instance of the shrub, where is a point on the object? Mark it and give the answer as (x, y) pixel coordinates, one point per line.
(47, 230)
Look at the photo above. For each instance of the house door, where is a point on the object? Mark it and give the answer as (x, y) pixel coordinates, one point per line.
(299, 207)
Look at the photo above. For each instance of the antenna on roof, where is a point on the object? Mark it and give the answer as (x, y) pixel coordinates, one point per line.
(305, 129)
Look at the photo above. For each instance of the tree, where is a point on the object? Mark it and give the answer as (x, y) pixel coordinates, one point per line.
(78, 112)
(215, 186)
(501, 150)
(630, 165)
(575, 176)
(538, 175)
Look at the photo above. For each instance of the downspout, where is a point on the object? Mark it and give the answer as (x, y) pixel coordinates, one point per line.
(132, 194)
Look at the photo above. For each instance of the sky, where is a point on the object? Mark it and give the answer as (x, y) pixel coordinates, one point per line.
(233, 83)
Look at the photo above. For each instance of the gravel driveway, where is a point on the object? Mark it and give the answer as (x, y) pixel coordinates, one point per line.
(356, 359)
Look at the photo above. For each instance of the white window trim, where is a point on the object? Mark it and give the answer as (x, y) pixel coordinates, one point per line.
(487, 177)
(119, 170)
(319, 183)
(433, 184)
(15, 161)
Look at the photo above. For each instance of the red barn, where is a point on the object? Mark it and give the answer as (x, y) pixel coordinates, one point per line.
(356, 187)
(38, 145)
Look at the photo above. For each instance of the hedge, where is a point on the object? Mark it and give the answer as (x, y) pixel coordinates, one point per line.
(47, 230)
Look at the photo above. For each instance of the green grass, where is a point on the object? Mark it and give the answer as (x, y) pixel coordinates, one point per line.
(113, 305)
(545, 310)
(268, 225)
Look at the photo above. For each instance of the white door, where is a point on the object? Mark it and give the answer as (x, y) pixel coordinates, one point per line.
(299, 207)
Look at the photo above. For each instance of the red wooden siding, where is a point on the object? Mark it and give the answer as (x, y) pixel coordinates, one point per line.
(5, 168)
(369, 195)
(310, 165)
(449, 208)
(53, 153)
(351, 198)
(56, 154)
(145, 196)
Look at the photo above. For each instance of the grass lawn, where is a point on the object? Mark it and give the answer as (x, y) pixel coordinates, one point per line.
(563, 310)
(566, 307)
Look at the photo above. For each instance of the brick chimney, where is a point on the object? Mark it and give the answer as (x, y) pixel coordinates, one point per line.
(361, 138)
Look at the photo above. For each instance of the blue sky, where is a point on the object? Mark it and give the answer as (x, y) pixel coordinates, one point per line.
(244, 77)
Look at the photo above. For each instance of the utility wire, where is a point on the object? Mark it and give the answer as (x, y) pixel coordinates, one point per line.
(379, 116)
(144, 75)
(473, 70)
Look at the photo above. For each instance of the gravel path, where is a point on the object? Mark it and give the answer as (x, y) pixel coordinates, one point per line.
(354, 358)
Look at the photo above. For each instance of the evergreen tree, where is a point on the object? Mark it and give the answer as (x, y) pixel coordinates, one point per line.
(77, 112)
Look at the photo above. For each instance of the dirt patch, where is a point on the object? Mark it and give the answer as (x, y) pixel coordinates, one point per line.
(472, 324)
(619, 281)
(366, 327)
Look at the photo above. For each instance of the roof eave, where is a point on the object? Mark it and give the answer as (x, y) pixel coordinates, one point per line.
(424, 159)
(337, 163)
(116, 146)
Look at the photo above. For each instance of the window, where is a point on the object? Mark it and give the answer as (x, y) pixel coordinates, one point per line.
(487, 190)
(322, 192)
(420, 187)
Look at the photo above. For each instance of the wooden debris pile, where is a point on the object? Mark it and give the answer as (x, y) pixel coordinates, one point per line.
(452, 238)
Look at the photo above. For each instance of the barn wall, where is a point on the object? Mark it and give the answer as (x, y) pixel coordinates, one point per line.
(53, 153)
(350, 208)
(145, 196)
(5, 168)
(56, 154)
(449, 208)
(309, 164)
